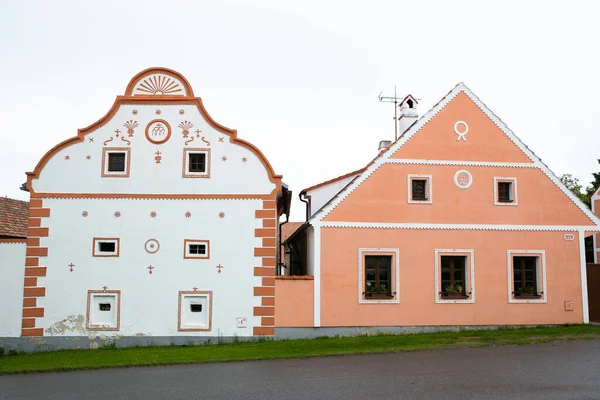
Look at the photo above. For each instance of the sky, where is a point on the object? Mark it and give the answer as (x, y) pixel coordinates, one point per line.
(301, 79)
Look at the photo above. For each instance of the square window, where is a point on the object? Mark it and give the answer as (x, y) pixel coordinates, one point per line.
(106, 247)
(419, 189)
(505, 191)
(196, 248)
(527, 276)
(195, 311)
(454, 276)
(103, 310)
(116, 162)
(378, 276)
(196, 163)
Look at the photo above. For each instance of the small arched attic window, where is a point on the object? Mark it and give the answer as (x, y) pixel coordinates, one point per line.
(410, 103)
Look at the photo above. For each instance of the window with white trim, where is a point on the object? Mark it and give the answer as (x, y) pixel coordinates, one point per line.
(196, 163)
(116, 162)
(103, 309)
(419, 189)
(454, 276)
(505, 191)
(527, 276)
(195, 311)
(106, 247)
(378, 275)
(194, 248)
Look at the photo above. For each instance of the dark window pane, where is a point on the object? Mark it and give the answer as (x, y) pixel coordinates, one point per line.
(504, 192)
(378, 270)
(419, 187)
(197, 162)
(525, 274)
(116, 162)
(198, 249)
(108, 247)
(196, 307)
(104, 306)
(453, 273)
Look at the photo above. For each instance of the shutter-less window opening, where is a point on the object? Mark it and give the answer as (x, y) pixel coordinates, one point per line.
(107, 247)
(197, 162)
(104, 306)
(116, 162)
(196, 307)
(505, 192)
(197, 249)
(419, 189)
(525, 275)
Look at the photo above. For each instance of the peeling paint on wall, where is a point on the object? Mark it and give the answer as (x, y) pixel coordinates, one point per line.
(71, 324)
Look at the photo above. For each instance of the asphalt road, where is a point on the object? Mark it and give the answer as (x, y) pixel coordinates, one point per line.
(544, 371)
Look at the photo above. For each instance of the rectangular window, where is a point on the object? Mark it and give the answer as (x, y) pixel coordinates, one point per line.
(196, 163)
(505, 191)
(195, 311)
(378, 276)
(454, 276)
(196, 248)
(419, 189)
(525, 276)
(103, 310)
(116, 162)
(106, 247)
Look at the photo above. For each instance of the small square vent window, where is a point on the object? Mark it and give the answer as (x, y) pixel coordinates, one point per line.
(106, 247)
(109, 247)
(196, 248)
(104, 306)
(196, 307)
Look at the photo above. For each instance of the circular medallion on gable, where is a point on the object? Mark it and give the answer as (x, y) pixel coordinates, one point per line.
(463, 179)
(158, 131)
(152, 246)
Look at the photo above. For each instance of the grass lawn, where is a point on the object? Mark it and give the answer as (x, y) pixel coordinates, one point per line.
(65, 360)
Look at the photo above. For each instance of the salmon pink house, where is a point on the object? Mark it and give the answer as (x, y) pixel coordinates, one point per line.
(455, 223)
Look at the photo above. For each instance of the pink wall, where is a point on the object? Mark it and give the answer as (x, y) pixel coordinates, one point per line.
(339, 278)
(294, 300)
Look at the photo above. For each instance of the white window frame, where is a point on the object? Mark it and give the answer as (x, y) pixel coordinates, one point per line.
(96, 247)
(186, 249)
(395, 270)
(469, 278)
(116, 174)
(514, 193)
(186, 163)
(541, 276)
(181, 326)
(116, 324)
(428, 188)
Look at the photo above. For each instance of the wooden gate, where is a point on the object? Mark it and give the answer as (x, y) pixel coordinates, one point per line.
(593, 282)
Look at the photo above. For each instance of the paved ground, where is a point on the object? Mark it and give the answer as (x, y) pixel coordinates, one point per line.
(545, 371)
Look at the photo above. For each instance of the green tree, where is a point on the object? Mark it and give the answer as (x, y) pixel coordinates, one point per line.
(574, 186)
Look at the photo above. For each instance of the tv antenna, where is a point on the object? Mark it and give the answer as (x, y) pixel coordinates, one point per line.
(386, 99)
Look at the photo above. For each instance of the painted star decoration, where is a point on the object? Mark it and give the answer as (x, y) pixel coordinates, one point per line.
(244, 159)
(91, 139)
(67, 157)
(221, 139)
(88, 157)
(224, 158)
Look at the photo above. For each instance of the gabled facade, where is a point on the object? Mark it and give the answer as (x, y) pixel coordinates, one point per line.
(155, 221)
(455, 223)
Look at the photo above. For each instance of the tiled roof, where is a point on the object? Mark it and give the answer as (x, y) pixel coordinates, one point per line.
(13, 217)
(288, 229)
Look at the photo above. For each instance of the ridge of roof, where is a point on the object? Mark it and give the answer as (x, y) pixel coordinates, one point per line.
(325, 183)
(420, 123)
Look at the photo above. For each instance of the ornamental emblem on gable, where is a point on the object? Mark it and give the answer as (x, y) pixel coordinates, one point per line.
(461, 131)
(158, 131)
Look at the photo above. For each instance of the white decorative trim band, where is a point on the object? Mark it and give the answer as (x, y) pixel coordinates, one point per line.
(460, 163)
(476, 227)
(396, 288)
(543, 289)
(470, 277)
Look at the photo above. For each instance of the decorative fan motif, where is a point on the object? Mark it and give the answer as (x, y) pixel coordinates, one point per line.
(159, 84)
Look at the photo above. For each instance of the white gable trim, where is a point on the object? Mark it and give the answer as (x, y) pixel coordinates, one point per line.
(460, 163)
(471, 227)
(385, 156)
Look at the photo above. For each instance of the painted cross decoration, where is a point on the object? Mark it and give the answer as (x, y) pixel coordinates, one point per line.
(104, 288)
(219, 267)
(71, 267)
(150, 268)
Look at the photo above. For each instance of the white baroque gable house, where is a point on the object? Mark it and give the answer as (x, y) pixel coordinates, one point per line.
(153, 221)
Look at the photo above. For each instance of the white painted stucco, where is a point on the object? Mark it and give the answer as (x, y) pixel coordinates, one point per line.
(12, 272)
(321, 195)
(149, 301)
(81, 175)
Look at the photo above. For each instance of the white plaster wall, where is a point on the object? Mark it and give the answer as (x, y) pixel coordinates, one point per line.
(320, 196)
(80, 175)
(149, 302)
(12, 272)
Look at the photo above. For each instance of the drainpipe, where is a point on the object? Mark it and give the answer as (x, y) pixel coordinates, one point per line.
(279, 262)
(306, 202)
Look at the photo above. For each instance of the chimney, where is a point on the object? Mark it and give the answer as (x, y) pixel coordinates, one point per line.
(384, 144)
(408, 113)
